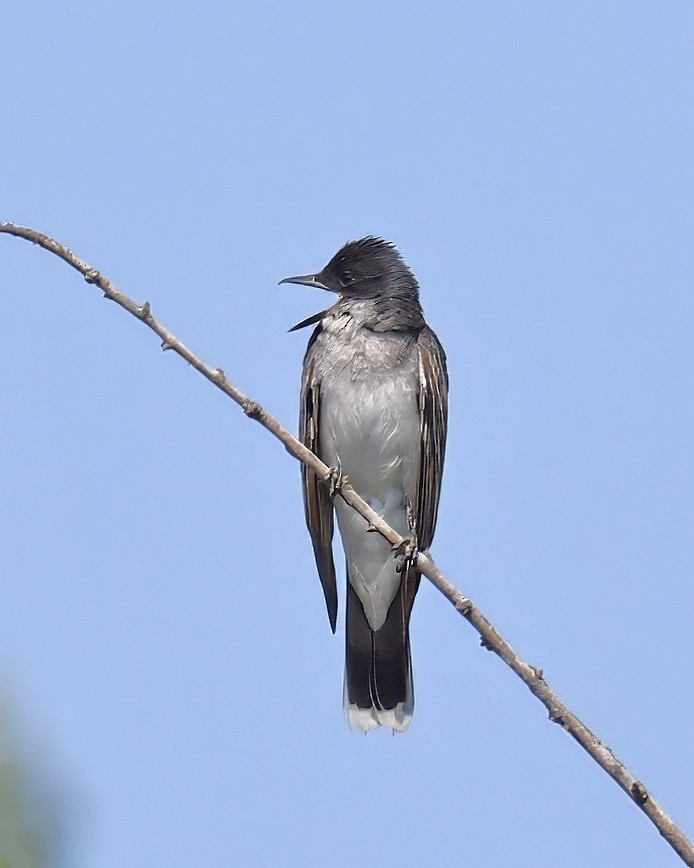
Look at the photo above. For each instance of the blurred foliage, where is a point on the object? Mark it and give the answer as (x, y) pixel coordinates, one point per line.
(20, 841)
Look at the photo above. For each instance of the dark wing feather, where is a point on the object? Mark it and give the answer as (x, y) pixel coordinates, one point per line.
(317, 502)
(432, 399)
(433, 420)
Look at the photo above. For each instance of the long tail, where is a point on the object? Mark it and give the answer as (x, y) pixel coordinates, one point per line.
(378, 669)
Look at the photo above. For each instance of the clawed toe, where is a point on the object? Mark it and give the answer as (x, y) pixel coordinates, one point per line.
(405, 554)
(336, 479)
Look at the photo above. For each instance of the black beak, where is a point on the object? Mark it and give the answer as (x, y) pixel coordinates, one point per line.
(306, 280)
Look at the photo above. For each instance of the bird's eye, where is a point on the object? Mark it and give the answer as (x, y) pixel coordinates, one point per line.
(346, 278)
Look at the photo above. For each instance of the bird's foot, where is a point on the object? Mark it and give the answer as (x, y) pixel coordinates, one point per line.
(335, 479)
(405, 554)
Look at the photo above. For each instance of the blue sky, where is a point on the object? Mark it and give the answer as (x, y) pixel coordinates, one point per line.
(171, 685)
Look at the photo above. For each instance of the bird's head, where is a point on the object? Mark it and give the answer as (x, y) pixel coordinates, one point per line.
(368, 268)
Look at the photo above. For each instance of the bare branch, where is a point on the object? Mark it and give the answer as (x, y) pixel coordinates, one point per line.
(489, 637)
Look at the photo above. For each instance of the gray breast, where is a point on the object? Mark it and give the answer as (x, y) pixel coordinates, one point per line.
(369, 414)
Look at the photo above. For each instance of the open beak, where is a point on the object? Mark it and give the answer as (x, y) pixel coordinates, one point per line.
(306, 280)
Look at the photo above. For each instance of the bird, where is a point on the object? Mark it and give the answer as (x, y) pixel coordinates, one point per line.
(374, 408)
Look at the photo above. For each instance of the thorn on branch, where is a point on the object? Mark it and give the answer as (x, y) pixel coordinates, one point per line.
(165, 345)
(639, 793)
(252, 408)
(485, 644)
(538, 673)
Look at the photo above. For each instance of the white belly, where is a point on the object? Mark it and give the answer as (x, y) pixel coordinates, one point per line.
(369, 427)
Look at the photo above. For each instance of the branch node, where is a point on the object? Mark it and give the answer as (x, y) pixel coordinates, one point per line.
(485, 644)
(92, 276)
(251, 408)
(639, 793)
(538, 673)
(220, 375)
(555, 716)
(145, 310)
(464, 607)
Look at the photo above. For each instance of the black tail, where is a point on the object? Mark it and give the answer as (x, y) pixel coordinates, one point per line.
(378, 668)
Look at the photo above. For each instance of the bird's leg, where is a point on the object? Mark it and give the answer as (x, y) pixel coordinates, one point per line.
(411, 522)
(336, 478)
(406, 553)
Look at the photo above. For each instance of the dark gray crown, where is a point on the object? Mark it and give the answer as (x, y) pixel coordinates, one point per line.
(369, 267)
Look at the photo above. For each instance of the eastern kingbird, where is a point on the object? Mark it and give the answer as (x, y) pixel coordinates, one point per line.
(374, 406)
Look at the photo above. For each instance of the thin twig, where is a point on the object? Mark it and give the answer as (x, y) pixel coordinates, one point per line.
(489, 637)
